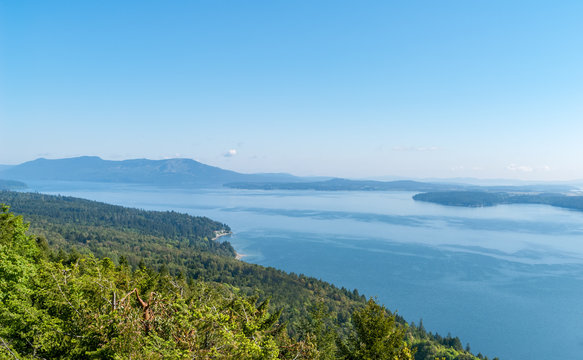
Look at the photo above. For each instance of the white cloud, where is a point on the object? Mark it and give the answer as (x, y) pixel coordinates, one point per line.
(415, 148)
(175, 156)
(520, 168)
(462, 167)
(528, 168)
(230, 153)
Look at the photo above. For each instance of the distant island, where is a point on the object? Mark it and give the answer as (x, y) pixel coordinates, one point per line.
(485, 198)
(338, 184)
(346, 185)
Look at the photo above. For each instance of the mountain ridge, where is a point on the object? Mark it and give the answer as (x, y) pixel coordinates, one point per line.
(177, 171)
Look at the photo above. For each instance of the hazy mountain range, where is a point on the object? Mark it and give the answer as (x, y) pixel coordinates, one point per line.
(191, 173)
(169, 172)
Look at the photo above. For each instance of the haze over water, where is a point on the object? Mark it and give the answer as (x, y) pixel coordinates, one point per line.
(506, 279)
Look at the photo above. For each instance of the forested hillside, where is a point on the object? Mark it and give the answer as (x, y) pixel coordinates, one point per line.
(319, 318)
(11, 185)
(75, 211)
(485, 198)
(120, 234)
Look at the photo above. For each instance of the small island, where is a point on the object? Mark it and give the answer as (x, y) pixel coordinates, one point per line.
(485, 198)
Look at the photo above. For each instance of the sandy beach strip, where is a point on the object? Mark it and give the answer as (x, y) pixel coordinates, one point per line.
(220, 235)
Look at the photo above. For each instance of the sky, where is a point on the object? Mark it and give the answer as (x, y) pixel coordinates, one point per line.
(362, 89)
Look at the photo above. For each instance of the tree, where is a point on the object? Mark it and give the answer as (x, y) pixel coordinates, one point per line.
(18, 252)
(376, 336)
(318, 328)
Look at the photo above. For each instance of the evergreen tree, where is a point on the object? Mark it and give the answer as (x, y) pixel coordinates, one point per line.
(376, 336)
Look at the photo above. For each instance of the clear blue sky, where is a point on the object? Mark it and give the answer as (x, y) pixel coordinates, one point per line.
(488, 89)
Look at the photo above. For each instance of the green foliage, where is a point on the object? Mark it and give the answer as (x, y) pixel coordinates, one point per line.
(376, 336)
(94, 223)
(91, 309)
(318, 327)
(76, 226)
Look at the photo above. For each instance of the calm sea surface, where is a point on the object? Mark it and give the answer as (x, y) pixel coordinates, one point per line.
(506, 279)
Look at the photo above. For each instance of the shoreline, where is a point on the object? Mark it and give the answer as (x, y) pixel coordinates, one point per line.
(238, 256)
(220, 235)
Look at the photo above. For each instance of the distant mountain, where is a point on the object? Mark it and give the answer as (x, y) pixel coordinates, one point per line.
(191, 173)
(170, 172)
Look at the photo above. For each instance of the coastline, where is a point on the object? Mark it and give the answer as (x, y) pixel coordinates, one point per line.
(218, 235)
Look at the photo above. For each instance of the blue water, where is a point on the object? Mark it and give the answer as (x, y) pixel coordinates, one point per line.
(507, 279)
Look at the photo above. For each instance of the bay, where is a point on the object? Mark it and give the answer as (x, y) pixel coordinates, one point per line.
(507, 279)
